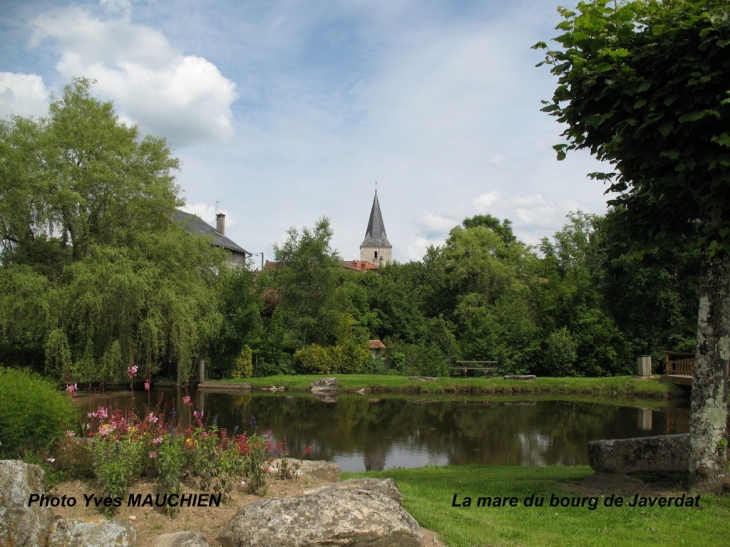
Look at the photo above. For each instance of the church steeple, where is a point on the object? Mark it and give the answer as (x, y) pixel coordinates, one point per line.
(375, 247)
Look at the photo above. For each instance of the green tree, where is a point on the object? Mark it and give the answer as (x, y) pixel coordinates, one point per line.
(304, 282)
(651, 295)
(92, 264)
(571, 298)
(644, 86)
(240, 306)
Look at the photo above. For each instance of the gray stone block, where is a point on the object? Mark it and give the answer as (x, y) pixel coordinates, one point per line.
(660, 454)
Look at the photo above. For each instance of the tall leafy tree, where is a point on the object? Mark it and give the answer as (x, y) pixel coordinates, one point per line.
(645, 86)
(304, 281)
(92, 265)
(570, 303)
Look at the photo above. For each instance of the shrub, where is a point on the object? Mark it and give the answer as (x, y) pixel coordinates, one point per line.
(560, 353)
(124, 447)
(33, 414)
(351, 358)
(244, 366)
(314, 359)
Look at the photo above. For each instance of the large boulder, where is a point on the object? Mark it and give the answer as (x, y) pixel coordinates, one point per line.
(660, 454)
(325, 385)
(347, 517)
(92, 532)
(317, 469)
(387, 487)
(21, 525)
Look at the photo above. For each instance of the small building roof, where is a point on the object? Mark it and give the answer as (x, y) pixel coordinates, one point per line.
(376, 344)
(359, 265)
(197, 226)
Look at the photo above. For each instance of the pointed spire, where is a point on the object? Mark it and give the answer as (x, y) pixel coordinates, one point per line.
(375, 234)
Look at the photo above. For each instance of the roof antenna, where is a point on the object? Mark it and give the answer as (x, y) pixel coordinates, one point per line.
(216, 205)
(376, 186)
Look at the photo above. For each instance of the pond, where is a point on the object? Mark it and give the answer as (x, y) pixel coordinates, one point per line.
(367, 433)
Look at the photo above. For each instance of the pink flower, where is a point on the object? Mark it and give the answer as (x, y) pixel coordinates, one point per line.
(105, 429)
(147, 384)
(72, 389)
(132, 371)
(50, 460)
(101, 412)
(153, 454)
(187, 401)
(158, 440)
(152, 418)
(70, 433)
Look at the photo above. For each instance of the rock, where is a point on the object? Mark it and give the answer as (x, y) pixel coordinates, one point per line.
(182, 539)
(352, 517)
(660, 454)
(325, 397)
(325, 385)
(317, 469)
(92, 532)
(387, 487)
(360, 391)
(20, 525)
(423, 378)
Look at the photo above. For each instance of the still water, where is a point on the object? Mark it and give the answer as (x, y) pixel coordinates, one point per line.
(361, 433)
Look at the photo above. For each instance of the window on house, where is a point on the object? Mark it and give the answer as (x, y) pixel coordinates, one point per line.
(376, 254)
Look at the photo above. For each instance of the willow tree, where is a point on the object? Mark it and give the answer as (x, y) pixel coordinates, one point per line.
(92, 265)
(645, 85)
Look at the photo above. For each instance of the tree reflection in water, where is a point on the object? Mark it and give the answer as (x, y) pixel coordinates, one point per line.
(375, 434)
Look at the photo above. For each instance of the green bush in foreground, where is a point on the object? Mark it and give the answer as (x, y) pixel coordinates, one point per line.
(33, 412)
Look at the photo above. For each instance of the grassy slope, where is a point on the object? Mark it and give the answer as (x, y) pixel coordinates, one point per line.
(618, 386)
(429, 492)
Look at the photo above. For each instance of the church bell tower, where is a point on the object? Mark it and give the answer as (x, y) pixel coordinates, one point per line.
(375, 247)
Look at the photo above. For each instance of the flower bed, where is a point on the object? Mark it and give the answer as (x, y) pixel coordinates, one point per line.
(118, 446)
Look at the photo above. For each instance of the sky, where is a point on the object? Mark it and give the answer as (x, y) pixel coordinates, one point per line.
(286, 111)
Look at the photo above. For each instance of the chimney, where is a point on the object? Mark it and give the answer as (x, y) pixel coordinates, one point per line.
(220, 223)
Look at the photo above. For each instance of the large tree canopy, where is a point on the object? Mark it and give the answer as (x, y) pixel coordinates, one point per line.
(645, 85)
(92, 266)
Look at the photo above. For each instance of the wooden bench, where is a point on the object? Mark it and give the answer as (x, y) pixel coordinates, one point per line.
(470, 365)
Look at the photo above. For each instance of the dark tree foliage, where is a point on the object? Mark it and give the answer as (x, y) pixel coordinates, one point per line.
(652, 295)
(645, 85)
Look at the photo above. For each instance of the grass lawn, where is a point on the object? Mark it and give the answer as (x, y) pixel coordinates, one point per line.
(429, 497)
(616, 386)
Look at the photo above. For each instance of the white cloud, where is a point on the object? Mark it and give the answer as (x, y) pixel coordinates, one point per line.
(484, 202)
(22, 95)
(116, 6)
(184, 98)
(434, 225)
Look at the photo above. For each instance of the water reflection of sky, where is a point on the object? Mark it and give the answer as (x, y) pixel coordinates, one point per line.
(374, 434)
(399, 455)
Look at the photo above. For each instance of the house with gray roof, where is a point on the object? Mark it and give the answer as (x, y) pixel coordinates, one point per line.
(194, 225)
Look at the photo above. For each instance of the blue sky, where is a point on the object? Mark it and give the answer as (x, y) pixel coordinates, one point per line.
(285, 111)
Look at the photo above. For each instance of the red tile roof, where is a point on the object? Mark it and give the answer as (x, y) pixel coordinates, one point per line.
(376, 344)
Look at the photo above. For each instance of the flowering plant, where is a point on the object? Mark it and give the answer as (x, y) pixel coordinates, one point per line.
(126, 446)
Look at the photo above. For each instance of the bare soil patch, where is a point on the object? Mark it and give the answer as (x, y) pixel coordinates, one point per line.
(608, 483)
